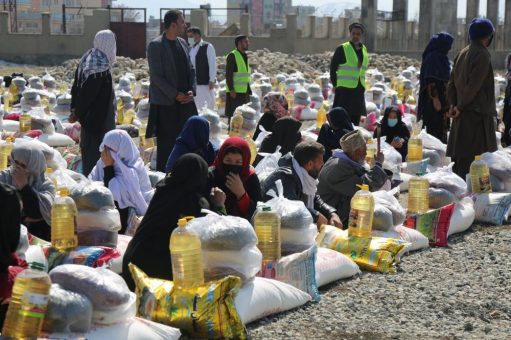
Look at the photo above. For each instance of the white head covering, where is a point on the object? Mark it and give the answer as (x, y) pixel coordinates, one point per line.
(105, 42)
(131, 186)
(31, 155)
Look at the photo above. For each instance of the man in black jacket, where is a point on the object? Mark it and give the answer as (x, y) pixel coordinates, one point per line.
(172, 86)
(298, 175)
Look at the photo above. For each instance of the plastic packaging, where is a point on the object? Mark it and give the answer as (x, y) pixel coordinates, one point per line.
(389, 201)
(268, 164)
(361, 214)
(67, 311)
(418, 196)
(205, 311)
(320, 117)
(5, 153)
(25, 122)
(236, 124)
(267, 228)
(492, 208)
(414, 149)
(92, 196)
(374, 253)
(446, 179)
(332, 266)
(98, 228)
(106, 290)
(229, 246)
(371, 151)
(440, 197)
(480, 176)
(186, 255)
(499, 163)
(63, 225)
(297, 241)
(27, 308)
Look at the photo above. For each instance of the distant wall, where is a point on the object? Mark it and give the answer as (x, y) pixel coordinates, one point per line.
(46, 48)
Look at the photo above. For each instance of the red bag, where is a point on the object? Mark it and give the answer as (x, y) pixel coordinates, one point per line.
(433, 224)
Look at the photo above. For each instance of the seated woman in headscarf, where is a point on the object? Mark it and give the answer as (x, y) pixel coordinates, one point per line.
(194, 138)
(10, 264)
(274, 107)
(285, 133)
(395, 130)
(434, 75)
(338, 124)
(232, 180)
(178, 195)
(27, 175)
(122, 170)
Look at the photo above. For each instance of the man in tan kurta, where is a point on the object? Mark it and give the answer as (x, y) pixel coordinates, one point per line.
(471, 95)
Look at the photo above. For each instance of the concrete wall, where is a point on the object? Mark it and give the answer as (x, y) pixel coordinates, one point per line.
(47, 48)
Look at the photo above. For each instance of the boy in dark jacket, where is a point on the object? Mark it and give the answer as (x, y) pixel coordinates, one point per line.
(298, 174)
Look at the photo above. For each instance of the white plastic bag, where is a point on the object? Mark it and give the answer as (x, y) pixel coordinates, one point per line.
(92, 196)
(389, 201)
(261, 136)
(444, 178)
(67, 311)
(263, 297)
(462, 217)
(297, 240)
(392, 157)
(111, 299)
(229, 246)
(268, 164)
(332, 266)
(499, 163)
(23, 242)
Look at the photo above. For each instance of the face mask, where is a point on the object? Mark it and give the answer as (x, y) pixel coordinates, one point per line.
(191, 41)
(392, 122)
(234, 169)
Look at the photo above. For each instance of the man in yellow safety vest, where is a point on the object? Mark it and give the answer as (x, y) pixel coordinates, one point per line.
(347, 73)
(237, 76)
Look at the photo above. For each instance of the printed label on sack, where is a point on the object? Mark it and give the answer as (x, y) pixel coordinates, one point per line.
(34, 305)
(484, 184)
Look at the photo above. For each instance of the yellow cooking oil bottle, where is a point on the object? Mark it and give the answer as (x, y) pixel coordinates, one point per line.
(267, 228)
(186, 255)
(63, 226)
(371, 152)
(5, 151)
(414, 149)
(480, 176)
(418, 196)
(28, 305)
(360, 222)
(236, 124)
(25, 122)
(321, 117)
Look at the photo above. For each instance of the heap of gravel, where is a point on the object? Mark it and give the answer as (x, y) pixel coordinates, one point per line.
(459, 292)
(263, 61)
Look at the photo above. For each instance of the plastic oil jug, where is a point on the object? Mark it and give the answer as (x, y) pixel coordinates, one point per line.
(120, 111)
(267, 228)
(5, 151)
(186, 254)
(236, 124)
(128, 116)
(321, 117)
(7, 97)
(253, 149)
(418, 196)
(28, 305)
(360, 222)
(371, 151)
(415, 149)
(290, 97)
(25, 122)
(63, 226)
(480, 176)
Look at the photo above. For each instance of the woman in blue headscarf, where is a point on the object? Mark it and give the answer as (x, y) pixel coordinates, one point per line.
(194, 138)
(338, 124)
(434, 75)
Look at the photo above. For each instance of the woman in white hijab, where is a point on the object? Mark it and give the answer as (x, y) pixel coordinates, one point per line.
(122, 170)
(93, 98)
(37, 192)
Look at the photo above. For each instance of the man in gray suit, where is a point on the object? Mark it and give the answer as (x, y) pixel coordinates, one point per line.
(172, 86)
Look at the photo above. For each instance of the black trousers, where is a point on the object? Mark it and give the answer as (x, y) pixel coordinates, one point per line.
(166, 122)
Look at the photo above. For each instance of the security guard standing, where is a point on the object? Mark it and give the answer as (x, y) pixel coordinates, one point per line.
(237, 76)
(347, 73)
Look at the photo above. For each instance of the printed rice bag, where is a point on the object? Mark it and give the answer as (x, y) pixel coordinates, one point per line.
(298, 270)
(492, 208)
(433, 224)
(206, 311)
(374, 254)
(86, 256)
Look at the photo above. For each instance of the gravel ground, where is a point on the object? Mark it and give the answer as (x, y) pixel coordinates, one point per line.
(459, 292)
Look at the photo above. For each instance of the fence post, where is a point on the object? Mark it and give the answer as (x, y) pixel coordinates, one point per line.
(64, 29)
